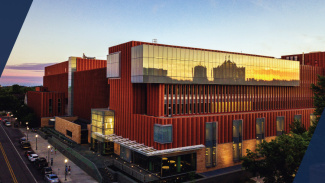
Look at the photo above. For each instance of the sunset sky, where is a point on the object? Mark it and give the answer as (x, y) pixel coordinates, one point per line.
(55, 30)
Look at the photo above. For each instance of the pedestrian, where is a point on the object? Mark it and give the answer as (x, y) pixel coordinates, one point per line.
(55, 151)
(69, 170)
(66, 169)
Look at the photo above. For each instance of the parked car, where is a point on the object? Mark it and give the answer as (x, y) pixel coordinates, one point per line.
(41, 162)
(46, 170)
(25, 145)
(8, 123)
(32, 157)
(51, 178)
(23, 139)
(27, 153)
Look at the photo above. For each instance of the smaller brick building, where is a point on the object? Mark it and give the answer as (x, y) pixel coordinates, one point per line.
(46, 103)
(71, 88)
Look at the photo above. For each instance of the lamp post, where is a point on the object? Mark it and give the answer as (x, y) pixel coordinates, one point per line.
(27, 132)
(36, 141)
(65, 161)
(48, 157)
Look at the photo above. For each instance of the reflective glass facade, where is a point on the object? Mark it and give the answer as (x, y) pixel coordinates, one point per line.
(72, 69)
(114, 65)
(162, 64)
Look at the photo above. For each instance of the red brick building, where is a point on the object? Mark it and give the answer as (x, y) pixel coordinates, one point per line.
(173, 110)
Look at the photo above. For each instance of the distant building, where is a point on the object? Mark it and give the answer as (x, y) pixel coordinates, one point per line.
(229, 71)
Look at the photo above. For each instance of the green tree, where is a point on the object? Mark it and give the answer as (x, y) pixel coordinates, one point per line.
(280, 158)
(319, 95)
(297, 127)
(319, 101)
(15, 89)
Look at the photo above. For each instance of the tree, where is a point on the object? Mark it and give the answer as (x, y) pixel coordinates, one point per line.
(319, 95)
(319, 101)
(280, 158)
(297, 127)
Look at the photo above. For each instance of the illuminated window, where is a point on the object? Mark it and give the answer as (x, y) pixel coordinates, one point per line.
(102, 121)
(279, 125)
(312, 119)
(211, 144)
(237, 133)
(163, 133)
(260, 130)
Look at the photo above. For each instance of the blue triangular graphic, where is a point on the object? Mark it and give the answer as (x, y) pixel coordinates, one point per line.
(12, 17)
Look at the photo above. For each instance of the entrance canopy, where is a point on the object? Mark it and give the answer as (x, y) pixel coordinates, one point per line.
(143, 149)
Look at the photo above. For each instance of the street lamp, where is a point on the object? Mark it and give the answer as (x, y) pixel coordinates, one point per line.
(48, 158)
(66, 161)
(36, 141)
(27, 132)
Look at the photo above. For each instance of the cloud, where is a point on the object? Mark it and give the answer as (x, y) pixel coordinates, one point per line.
(29, 66)
(21, 80)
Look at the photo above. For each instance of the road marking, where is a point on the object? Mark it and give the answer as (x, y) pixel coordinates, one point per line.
(19, 154)
(8, 164)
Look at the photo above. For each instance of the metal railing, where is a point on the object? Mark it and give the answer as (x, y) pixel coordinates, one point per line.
(77, 158)
(132, 171)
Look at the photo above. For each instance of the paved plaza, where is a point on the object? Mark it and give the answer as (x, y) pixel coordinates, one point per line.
(76, 174)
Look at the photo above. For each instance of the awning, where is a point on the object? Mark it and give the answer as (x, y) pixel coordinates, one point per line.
(143, 149)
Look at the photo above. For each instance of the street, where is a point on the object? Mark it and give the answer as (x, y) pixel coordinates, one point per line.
(14, 167)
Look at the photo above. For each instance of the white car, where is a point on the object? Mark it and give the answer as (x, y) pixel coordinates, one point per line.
(51, 178)
(32, 157)
(8, 123)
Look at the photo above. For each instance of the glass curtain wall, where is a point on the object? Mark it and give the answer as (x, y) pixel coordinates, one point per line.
(102, 122)
(162, 64)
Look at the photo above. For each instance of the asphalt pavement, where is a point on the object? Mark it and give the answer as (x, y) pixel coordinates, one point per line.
(14, 166)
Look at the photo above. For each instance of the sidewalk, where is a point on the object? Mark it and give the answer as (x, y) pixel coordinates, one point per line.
(77, 174)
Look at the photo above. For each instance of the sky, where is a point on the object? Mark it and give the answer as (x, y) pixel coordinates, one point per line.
(54, 30)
